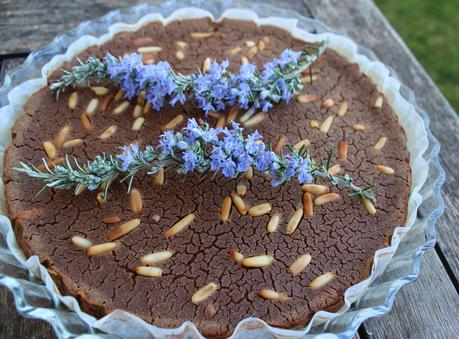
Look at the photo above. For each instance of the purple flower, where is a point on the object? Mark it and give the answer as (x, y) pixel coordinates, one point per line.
(190, 159)
(167, 142)
(128, 155)
(158, 82)
(304, 171)
(228, 168)
(265, 161)
(288, 57)
(244, 161)
(126, 72)
(216, 158)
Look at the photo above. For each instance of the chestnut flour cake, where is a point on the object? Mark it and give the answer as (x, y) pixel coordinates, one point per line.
(340, 109)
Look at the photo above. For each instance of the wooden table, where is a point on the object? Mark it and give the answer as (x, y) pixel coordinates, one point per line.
(427, 308)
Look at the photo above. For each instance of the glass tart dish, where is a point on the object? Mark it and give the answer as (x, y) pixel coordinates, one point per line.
(366, 293)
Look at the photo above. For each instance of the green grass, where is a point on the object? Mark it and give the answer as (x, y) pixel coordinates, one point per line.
(430, 28)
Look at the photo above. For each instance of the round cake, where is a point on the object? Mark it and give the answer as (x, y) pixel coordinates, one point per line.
(339, 109)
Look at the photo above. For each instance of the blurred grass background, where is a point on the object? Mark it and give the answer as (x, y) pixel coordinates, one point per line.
(430, 28)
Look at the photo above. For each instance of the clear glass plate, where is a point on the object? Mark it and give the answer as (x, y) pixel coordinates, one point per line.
(33, 300)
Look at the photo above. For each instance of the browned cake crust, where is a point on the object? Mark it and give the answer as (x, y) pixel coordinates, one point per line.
(341, 236)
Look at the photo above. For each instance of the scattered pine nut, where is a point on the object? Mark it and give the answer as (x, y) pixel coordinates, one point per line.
(206, 65)
(100, 249)
(108, 132)
(250, 43)
(159, 177)
(326, 198)
(147, 271)
(261, 45)
(179, 225)
(210, 310)
(358, 127)
(81, 242)
(121, 108)
(334, 170)
(241, 190)
(315, 189)
(294, 221)
(314, 124)
(225, 210)
(267, 39)
(51, 164)
(306, 98)
(239, 203)
(251, 52)
(232, 114)
(249, 174)
(146, 108)
(61, 136)
(136, 201)
(236, 256)
(300, 264)
(343, 109)
(92, 106)
(107, 100)
(204, 292)
(247, 115)
(378, 102)
(385, 169)
(123, 229)
(79, 189)
(156, 257)
(342, 150)
(235, 50)
(73, 100)
(137, 111)
(220, 122)
(149, 49)
(308, 79)
(244, 60)
(369, 206)
(142, 41)
(119, 95)
(273, 223)
(181, 44)
(380, 143)
(201, 35)
(85, 122)
(281, 142)
(137, 125)
(307, 204)
(72, 143)
(322, 280)
(111, 219)
(325, 126)
(260, 210)
(328, 103)
(50, 149)
(255, 120)
(180, 55)
(99, 90)
(301, 143)
(174, 122)
(257, 261)
(272, 295)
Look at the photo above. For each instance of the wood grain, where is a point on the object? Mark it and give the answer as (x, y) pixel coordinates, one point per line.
(427, 308)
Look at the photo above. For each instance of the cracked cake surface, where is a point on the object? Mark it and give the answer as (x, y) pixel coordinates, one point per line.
(341, 110)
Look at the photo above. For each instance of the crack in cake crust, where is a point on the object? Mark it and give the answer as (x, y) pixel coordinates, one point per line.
(340, 237)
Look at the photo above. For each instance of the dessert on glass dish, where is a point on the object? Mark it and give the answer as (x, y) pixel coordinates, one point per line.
(209, 171)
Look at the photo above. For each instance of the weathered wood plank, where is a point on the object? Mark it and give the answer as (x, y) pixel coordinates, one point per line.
(364, 23)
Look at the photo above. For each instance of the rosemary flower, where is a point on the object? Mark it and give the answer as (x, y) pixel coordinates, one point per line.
(196, 148)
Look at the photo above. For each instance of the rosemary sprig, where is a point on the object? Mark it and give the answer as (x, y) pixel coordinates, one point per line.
(199, 149)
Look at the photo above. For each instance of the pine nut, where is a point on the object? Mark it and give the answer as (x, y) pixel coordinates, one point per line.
(85, 122)
(241, 190)
(179, 225)
(149, 49)
(358, 127)
(244, 60)
(92, 106)
(342, 150)
(255, 120)
(385, 169)
(108, 132)
(61, 136)
(325, 126)
(137, 124)
(235, 50)
(281, 142)
(159, 177)
(294, 221)
(343, 109)
(314, 124)
(73, 100)
(146, 271)
(272, 295)
(249, 174)
(328, 103)
(308, 79)
(326, 198)
(369, 206)
(236, 256)
(307, 204)
(51, 164)
(201, 35)
(378, 102)
(81, 242)
(306, 98)
(380, 143)
(261, 45)
(206, 65)
(300, 264)
(137, 111)
(146, 108)
(258, 261)
(220, 122)
(251, 52)
(119, 95)
(273, 223)
(156, 257)
(50, 149)
(100, 249)
(250, 43)
(180, 55)
(79, 189)
(111, 219)
(100, 197)
(322, 280)
(99, 90)
(72, 143)
(174, 122)
(204, 292)
(136, 201)
(121, 108)
(334, 170)
(225, 210)
(181, 44)
(301, 143)
(260, 210)
(315, 189)
(232, 114)
(123, 229)
(239, 203)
